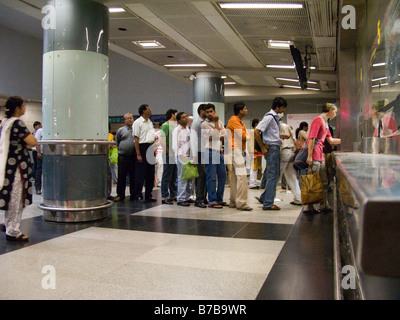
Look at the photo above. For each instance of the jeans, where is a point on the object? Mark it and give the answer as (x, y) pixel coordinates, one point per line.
(184, 186)
(215, 169)
(273, 159)
(169, 179)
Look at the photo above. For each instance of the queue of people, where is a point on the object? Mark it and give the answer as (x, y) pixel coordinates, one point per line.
(219, 153)
(213, 149)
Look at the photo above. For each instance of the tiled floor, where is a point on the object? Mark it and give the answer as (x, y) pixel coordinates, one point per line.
(148, 251)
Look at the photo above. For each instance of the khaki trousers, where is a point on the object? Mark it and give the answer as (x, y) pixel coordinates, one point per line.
(238, 180)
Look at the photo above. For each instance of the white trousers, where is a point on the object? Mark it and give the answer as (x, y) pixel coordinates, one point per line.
(15, 207)
(290, 173)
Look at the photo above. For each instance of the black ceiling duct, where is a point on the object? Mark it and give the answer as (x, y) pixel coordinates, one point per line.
(298, 63)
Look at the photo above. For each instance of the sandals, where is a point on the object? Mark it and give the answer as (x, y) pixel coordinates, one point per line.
(273, 208)
(215, 206)
(315, 211)
(21, 238)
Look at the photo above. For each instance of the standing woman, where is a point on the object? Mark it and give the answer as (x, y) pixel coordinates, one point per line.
(301, 135)
(15, 167)
(319, 132)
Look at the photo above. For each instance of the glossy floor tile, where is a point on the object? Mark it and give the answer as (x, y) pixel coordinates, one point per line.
(149, 251)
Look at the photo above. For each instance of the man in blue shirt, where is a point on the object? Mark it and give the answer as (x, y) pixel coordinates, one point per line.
(267, 135)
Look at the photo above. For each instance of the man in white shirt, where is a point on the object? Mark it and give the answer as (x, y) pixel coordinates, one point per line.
(181, 146)
(144, 133)
(214, 133)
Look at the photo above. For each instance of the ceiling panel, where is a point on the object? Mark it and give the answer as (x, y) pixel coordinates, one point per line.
(231, 42)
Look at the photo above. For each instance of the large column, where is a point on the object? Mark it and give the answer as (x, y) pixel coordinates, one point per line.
(75, 112)
(208, 87)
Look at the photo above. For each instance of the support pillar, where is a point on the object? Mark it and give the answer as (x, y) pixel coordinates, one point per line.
(75, 112)
(208, 87)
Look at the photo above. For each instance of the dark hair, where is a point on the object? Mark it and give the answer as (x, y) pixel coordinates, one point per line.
(201, 107)
(301, 126)
(11, 104)
(254, 122)
(142, 108)
(170, 113)
(36, 123)
(278, 102)
(209, 106)
(179, 115)
(237, 107)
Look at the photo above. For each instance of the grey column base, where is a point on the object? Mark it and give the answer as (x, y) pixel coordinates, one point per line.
(75, 214)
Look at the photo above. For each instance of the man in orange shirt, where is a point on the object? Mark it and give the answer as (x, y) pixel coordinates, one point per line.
(237, 137)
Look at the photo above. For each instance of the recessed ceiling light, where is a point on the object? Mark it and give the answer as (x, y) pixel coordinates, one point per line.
(261, 5)
(148, 44)
(276, 44)
(186, 65)
(115, 10)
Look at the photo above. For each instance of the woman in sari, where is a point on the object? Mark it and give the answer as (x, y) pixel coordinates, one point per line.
(15, 168)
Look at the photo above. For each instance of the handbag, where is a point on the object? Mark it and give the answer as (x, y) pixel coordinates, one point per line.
(300, 161)
(113, 154)
(311, 188)
(189, 171)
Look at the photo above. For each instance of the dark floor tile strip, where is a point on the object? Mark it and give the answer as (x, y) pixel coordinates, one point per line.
(304, 268)
(122, 216)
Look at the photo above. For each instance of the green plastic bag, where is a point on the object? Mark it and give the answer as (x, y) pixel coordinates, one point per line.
(189, 171)
(113, 153)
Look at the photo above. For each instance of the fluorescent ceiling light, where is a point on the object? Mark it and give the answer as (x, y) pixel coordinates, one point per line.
(379, 79)
(115, 10)
(275, 44)
(223, 77)
(288, 86)
(315, 89)
(148, 44)
(261, 5)
(379, 64)
(280, 66)
(295, 80)
(380, 85)
(228, 83)
(186, 65)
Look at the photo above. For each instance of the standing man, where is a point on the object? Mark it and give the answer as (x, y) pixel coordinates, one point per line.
(168, 181)
(38, 160)
(197, 145)
(144, 133)
(126, 158)
(238, 136)
(182, 149)
(214, 133)
(270, 143)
